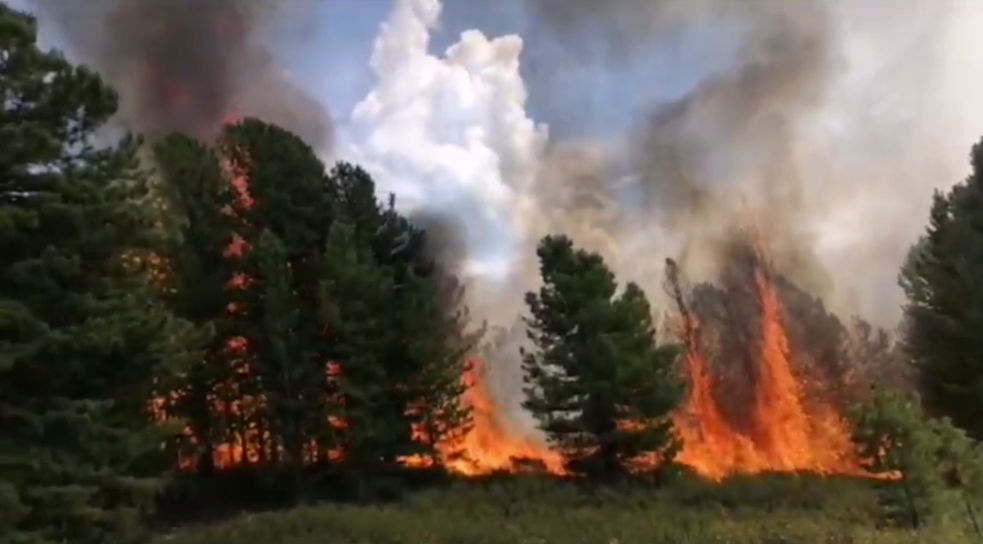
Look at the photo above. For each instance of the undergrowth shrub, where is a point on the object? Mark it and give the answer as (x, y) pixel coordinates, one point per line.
(767, 509)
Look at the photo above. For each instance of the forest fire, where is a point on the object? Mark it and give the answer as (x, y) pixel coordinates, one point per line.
(773, 429)
(779, 431)
(490, 445)
(776, 430)
(487, 446)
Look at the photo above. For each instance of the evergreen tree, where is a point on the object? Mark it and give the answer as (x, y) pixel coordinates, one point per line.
(944, 315)
(356, 295)
(934, 471)
(437, 325)
(420, 341)
(282, 346)
(284, 226)
(197, 198)
(82, 336)
(597, 382)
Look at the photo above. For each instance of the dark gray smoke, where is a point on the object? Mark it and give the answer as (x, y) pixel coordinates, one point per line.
(445, 244)
(188, 65)
(725, 153)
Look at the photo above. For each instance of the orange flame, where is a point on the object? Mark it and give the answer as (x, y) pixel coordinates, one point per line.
(782, 435)
(492, 444)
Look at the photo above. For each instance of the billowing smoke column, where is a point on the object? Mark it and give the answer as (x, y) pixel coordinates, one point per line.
(451, 136)
(830, 121)
(825, 124)
(188, 65)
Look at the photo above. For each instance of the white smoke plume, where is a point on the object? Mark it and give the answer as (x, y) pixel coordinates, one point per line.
(449, 135)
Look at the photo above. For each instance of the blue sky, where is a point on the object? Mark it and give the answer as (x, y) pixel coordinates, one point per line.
(328, 52)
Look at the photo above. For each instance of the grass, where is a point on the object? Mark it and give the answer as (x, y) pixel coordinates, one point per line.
(773, 509)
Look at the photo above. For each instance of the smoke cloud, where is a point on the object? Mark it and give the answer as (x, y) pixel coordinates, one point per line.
(188, 65)
(824, 125)
(449, 135)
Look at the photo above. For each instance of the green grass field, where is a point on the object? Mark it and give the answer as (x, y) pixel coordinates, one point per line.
(776, 509)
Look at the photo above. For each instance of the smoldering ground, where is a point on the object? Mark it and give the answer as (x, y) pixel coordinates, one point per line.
(188, 65)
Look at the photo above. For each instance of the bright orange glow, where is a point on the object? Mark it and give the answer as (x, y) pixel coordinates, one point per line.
(782, 435)
(491, 444)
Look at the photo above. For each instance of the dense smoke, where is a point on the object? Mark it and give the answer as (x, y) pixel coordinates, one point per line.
(449, 135)
(826, 123)
(823, 125)
(731, 142)
(188, 65)
(444, 243)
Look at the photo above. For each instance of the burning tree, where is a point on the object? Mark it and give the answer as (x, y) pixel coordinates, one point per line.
(336, 339)
(400, 330)
(766, 367)
(200, 229)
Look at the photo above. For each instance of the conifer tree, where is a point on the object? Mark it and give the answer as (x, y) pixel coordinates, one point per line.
(944, 315)
(82, 336)
(289, 389)
(284, 227)
(197, 197)
(597, 382)
(356, 296)
(933, 469)
(422, 340)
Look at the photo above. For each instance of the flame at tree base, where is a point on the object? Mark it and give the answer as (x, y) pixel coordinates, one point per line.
(491, 444)
(780, 434)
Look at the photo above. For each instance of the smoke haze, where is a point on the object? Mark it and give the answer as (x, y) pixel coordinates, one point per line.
(189, 65)
(827, 122)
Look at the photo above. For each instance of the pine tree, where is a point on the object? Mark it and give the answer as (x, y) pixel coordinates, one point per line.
(83, 336)
(422, 340)
(287, 392)
(356, 295)
(284, 228)
(944, 314)
(197, 197)
(597, 382)
(440, 342)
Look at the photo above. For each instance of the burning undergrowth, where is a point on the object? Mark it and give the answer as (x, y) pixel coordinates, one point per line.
(770, 370)
(731, 315)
